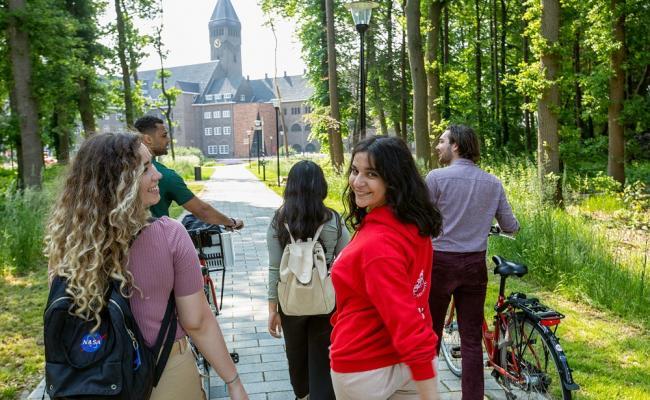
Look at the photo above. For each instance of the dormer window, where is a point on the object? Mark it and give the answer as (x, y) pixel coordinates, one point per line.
(228, 96)
(242, 98)
(208, 97)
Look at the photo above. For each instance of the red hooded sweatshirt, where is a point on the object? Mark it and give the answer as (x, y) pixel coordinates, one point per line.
(382, 282)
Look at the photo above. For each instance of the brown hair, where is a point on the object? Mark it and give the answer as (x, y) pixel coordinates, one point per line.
(466, 140)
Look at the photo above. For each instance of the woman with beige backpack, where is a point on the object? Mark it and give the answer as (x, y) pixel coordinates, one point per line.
(303, 239)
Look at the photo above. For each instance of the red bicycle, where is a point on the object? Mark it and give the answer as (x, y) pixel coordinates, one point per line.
(522, 347)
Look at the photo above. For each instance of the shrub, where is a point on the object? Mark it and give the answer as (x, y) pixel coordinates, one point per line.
(183, 165)
(22, 214)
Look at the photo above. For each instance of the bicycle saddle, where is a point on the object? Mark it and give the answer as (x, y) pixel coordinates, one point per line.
(508, 268)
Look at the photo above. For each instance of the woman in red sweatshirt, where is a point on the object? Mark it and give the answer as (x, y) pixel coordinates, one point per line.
(383, 346)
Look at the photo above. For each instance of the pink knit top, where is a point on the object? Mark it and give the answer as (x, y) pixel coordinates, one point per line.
(162, 258)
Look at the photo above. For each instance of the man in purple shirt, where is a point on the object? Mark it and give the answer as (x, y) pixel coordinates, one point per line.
(469, 199)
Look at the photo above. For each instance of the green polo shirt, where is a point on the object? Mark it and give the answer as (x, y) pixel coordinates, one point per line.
(172, 188)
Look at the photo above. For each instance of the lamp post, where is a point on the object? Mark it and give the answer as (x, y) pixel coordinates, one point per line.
(276, 105)
(250, 145)
(257, 133)
(361, 13)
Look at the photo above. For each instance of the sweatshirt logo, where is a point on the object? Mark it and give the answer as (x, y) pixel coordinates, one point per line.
(420, 285)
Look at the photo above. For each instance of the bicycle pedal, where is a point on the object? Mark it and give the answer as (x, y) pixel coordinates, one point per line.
(455, 352)
(235, 357)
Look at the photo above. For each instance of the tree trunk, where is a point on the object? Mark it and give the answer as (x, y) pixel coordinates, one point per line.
(494, 66)
(62, 123)
(528, 118)
(478, 71)
(505, 133)
(375, 94)
(434, 9)
(446, 109)
(124, 64)
(616, 151)
(419, 79)
(577, 102)
(334, 133)
(548, 156)
(403, 88)
(86, 110)
(31, 149)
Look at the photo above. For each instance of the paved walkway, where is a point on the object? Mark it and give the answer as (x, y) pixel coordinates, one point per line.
(263, 365)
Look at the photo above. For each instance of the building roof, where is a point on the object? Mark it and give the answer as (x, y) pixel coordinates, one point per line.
(224, 11)
(186, 77)
(292, 88)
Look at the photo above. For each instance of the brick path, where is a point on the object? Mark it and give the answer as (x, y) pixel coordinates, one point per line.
(263, 365)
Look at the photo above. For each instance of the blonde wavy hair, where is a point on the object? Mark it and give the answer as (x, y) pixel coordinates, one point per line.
(95, 219)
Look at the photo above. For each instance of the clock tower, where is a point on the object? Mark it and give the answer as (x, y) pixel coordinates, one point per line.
(225, 38)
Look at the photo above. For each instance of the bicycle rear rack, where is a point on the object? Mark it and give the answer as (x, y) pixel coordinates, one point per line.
(537, 311)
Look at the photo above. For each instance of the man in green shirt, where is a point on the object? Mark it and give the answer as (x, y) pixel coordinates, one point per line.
(172, 186)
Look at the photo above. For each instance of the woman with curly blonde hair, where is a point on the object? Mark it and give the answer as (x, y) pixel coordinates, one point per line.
(100, 232)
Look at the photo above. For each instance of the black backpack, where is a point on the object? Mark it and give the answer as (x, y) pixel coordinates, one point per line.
(112, 362)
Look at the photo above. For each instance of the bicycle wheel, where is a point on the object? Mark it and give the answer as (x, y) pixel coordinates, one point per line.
(450, 342)
(528, 353)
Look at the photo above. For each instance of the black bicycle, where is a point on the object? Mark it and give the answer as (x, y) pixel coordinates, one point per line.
(213, 252)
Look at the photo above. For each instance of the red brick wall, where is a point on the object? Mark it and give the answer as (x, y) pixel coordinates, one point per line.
(244, 119)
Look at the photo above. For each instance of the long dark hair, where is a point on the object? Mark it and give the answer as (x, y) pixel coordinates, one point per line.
(303, 208)
(406, 192)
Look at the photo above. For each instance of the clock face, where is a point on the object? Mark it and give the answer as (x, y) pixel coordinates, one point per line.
(217, 43)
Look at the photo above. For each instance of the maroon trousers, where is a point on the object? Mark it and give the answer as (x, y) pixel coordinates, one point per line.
(463, 275)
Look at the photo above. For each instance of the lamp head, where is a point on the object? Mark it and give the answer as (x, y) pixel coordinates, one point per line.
(361, 13)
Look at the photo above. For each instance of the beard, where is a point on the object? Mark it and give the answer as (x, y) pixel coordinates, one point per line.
(444, 157)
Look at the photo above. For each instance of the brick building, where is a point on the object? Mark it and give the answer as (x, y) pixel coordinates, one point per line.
(218, 107)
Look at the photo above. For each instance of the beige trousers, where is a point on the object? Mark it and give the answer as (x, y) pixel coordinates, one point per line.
(393, 382)
(180, 379)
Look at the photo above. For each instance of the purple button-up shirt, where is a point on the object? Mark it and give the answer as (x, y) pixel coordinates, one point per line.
(469, 199)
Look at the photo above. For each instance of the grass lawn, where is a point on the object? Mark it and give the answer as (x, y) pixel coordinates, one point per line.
(21, 324)
(175, 210)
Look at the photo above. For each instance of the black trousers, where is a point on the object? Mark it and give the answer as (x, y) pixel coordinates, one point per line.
(307, 340)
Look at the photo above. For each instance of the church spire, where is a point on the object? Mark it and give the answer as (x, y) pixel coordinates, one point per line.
(224, 11)
(225, 38)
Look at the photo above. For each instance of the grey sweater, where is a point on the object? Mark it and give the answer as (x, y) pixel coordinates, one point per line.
(329, 236)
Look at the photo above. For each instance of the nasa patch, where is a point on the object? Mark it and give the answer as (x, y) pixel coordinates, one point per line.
(92, 342)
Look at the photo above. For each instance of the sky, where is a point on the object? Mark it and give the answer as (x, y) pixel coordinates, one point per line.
(185, 36)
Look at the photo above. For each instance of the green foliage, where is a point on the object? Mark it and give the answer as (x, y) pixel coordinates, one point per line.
(21, 232)
(183, 165)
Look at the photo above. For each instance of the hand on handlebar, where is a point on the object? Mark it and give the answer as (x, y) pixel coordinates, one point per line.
(236, 225)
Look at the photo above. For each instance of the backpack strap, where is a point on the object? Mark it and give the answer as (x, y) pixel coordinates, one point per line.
(168, 329)
(339, 227)
(290, 235)
(317, 234)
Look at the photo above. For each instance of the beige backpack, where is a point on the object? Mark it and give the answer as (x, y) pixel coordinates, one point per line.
(305, 286)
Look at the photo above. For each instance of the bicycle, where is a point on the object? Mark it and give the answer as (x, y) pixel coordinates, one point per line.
(522, 348)
(214, 250)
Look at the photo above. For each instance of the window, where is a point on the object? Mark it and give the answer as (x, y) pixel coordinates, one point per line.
(212, 149)
(226, 130)
(295, 110)
(208, 97)
(227, 96)
(216, 114)
(242, 98)
(217, 130)
(224, 149)
(208, 131)
(284, 110)
(307, 109)
(246, 141)
(207, 115)
(226, 113)
(219, 31)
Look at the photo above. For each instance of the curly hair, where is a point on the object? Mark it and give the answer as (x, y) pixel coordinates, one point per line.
(95, 219)
(406, 192)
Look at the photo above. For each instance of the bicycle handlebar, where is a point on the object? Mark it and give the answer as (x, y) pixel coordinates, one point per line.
(495, 230)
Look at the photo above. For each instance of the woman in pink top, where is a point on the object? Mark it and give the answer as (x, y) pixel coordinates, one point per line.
(100, 230)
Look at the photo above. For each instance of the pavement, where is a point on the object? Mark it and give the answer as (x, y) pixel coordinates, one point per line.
(263, 365)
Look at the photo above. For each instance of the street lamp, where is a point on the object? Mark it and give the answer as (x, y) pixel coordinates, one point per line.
(276, 105)
(257, 133)
(361, 12)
